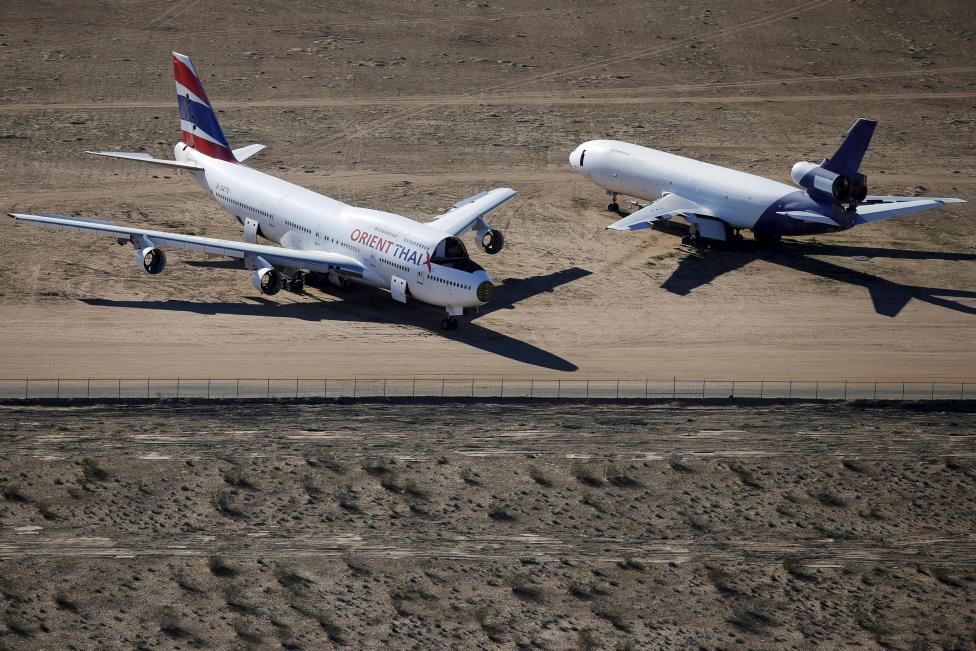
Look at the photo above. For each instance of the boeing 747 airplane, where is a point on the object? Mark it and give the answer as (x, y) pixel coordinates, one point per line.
(719, 202)
(317, 235)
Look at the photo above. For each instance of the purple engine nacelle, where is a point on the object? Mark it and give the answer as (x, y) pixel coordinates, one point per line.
(825, 185)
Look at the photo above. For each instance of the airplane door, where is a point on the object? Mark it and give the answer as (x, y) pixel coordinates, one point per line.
(420, 277)
(398, 288)
(250, 230)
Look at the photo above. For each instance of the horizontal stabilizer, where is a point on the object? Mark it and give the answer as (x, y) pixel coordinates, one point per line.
(808, 216)
(140, 157)
(243, 153)
(890, 198)
(668, 206)
(876, 211)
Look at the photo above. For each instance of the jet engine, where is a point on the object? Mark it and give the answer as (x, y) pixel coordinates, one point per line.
(824, 184)
(492, 241)
(268, 281)
(153, 260)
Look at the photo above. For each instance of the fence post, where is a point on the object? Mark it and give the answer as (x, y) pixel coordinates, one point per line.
(587, 388)
(120, 388)
(237, 391)
(618, 389)
(903, 391)
(296, 387)
(26, 388)
(413, 389)
(147, 388)
(932, 394)
(762, 388)
(442, 387)
(355, 386)
(57, 393)
(733, 389)
(472, 387)
(703, 389)
(325, 388)
(645, 388)
(674, 387)
(177, 387)
(876, 390)
(559, 388)
(269, 388)
(845, 389)
(208, 388)
(531, 387)
(790, 395)
(501, 394)
(88, 392)
(384, 387)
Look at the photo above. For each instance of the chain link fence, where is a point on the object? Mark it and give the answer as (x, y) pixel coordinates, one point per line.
(455, 387)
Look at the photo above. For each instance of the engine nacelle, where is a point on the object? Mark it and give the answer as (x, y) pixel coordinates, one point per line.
(492, 241)
(268, 281)
(824, 184)
(153, 260)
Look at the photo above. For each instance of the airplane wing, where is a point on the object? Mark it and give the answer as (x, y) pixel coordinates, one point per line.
(668, 206)
(319, 261)
(140, 157)
(464, 214)
(875, 211)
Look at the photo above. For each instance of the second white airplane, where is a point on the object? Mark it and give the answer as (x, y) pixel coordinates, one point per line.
(719, 202)
(317, 235)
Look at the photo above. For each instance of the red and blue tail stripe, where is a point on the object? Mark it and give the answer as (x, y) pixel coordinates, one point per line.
(198, 122)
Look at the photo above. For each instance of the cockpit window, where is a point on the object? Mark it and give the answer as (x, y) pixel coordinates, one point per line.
(450, 252)
(582, 156)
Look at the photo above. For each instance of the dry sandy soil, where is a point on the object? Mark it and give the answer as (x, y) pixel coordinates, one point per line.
(374, 525)
(409, 107)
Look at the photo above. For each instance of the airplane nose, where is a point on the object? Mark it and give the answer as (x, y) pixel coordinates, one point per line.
(485, 291)
(574, 157)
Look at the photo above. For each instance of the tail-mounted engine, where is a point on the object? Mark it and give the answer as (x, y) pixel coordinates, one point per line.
(153, 260)
(829, 186)
(268, 281)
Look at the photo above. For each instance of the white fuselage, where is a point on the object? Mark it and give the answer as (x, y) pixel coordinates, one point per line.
(737, 198)
(389, 246)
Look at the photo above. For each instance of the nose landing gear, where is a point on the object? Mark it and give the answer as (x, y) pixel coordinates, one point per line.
(449, 323)
(614, 206)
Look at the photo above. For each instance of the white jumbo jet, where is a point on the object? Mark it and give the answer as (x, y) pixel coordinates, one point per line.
(317, 235)
(718, 202)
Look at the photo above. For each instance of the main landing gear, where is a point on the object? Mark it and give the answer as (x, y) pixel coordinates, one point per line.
(614, 206)
(766, 238)
(450, 323)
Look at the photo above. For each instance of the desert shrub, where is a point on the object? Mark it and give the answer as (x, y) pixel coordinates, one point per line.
(501, 513)
(222, 568)
(615, 615)
(227, 505)
(64, 601)
(92, 471)
(14, 493)
(238, 478)
(827, 498)
(171, 624)
(523, 588)
(678, 464)
(590, 474)
(470, 477)
(721, 580)
(750, 620)
(540, 477)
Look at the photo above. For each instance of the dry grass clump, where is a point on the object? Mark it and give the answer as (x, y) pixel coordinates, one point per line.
(227, 505)
(540, 477)
(222, 568)
(501, 513)
(524, 588)
(751, 620)
(678, 464)
(92, 471)
(238, 478)
(590, 474)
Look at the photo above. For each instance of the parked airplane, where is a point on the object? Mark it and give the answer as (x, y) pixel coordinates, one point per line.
(320, 238)
(719, 202)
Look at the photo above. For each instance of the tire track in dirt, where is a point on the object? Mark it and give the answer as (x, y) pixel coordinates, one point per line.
(958, 551)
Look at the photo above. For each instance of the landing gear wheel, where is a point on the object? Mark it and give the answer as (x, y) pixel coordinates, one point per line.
(614, 207)
(766, 238)
(450, 323)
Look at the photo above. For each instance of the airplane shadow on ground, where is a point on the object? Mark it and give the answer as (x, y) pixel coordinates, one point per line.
(889, 298)
(367, 304)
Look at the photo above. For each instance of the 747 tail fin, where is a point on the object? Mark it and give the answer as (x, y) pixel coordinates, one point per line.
(198, 121)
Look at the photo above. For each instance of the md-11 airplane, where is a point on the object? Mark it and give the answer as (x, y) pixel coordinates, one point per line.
(318, 237)
(719, 202)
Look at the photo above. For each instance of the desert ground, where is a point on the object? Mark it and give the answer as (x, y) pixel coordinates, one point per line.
(412, 107)
(481, 524)
(416, 525)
